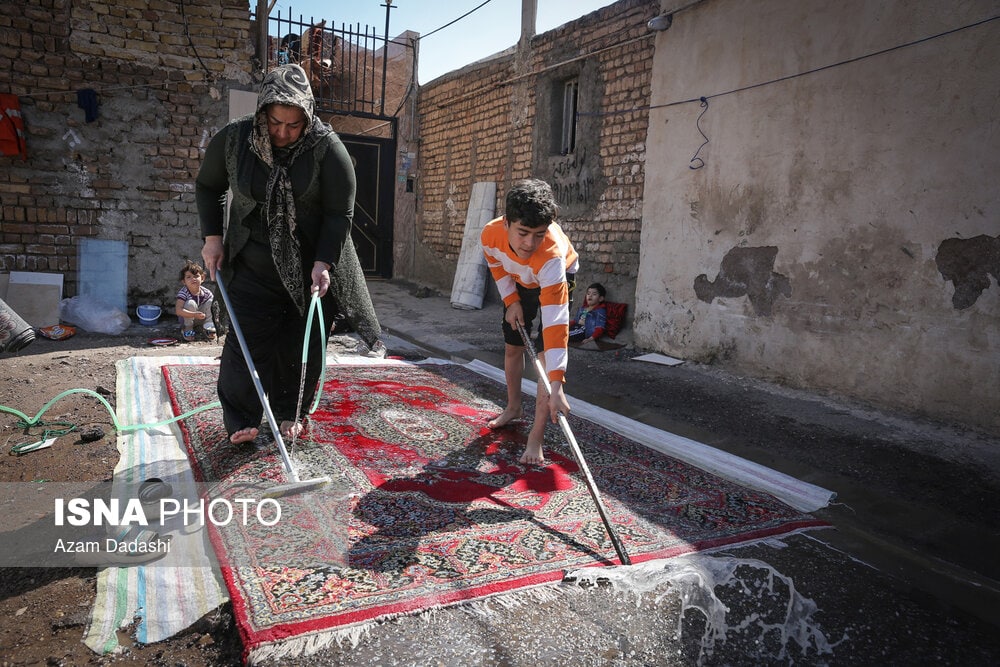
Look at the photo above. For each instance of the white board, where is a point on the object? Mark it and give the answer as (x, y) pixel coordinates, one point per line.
(35, 297)
(103, 271)
(469, 287)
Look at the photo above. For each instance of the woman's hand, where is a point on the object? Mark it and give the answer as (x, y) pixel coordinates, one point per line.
(212, 253)
(321, 277)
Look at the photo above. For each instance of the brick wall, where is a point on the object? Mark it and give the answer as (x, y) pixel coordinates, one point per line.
(494, 122)
(465, 138)
(161, 71)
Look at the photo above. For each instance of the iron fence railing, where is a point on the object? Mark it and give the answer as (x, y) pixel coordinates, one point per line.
(346, 65)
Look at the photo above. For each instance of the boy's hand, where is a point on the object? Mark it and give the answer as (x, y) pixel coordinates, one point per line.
(514, 315)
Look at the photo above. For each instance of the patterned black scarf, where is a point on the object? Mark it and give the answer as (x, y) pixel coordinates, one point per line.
(287, 85)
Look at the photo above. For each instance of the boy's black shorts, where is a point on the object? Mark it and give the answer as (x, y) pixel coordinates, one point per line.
(529, 306)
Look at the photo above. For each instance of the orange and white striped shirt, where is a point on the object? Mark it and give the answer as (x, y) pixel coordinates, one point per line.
(546, 269)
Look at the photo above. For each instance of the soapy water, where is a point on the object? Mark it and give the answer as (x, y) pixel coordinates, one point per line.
(777, 613)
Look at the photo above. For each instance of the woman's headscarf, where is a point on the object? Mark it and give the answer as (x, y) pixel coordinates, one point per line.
(286, 85)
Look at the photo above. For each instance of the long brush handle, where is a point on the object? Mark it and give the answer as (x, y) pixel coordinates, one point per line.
(564, 424)
(289, 468)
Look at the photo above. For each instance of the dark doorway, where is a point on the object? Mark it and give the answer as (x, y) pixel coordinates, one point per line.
(373, 206)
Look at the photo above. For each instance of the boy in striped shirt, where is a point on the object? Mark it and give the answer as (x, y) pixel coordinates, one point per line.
(534, 266)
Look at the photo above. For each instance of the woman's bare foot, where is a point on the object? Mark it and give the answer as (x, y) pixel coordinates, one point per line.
(505, 417)
(291, 430)
(243, 435)
(533, 453)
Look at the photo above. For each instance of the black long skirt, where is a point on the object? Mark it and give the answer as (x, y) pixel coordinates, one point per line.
(274, 331)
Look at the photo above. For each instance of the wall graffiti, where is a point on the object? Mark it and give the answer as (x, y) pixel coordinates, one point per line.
(572, 183)
(71, 138)
(75, 165)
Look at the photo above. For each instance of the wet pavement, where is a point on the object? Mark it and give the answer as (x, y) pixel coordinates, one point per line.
(907, 574)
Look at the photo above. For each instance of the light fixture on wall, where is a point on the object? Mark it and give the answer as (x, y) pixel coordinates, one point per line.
(661, 22)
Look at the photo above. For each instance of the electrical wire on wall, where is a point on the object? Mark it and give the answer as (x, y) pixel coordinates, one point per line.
(187, 32)
(108, 89)
(697, 162)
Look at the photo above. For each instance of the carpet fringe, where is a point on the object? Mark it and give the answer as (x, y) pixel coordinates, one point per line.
(486, 608)
(675, 573)
(306, 645)
(489, 607)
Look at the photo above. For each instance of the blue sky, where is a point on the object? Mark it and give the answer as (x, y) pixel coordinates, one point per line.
(488, 30)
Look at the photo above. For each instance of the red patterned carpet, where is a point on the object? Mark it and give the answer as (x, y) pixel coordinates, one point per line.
(428, 507)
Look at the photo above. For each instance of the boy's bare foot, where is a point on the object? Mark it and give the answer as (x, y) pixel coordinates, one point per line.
(533, 454)
(243, 435)
(291, 430)
(505, 417)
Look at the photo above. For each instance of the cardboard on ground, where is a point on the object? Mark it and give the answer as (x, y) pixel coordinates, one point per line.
(659, 359)
(33, 296)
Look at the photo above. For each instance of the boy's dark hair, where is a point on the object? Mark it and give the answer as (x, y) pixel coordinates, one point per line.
(194, 268)
(531, 203)
(599, 287)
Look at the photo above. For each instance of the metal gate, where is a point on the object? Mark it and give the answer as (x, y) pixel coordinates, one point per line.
(348, 78)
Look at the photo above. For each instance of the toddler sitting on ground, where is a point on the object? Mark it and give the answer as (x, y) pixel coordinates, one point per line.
(194, 303)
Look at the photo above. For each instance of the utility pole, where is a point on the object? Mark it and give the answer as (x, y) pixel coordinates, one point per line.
(529, 13)
(385, 52)
(262, 15)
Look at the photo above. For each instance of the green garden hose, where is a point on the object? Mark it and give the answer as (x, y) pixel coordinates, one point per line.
(30, 422)
(26, 422)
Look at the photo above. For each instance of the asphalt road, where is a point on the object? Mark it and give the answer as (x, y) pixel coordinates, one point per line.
(907, 574)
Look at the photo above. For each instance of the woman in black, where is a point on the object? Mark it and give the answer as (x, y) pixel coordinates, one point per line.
(288, 235)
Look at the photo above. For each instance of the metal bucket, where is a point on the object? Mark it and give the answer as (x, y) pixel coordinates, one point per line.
(15, 333)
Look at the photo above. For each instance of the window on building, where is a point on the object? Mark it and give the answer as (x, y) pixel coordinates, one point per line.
(571, 90)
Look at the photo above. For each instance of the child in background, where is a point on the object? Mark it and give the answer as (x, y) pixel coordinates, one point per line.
(534, 266)
(194, 303)
(590, 320)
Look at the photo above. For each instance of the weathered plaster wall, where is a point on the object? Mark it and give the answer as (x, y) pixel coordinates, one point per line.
(161, 72)
(843, 231)
(494, 121)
